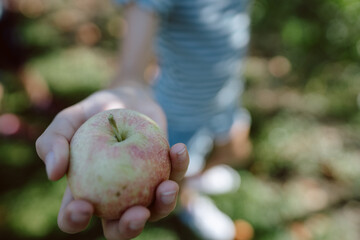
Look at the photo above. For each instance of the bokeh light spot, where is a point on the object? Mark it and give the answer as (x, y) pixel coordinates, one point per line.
(68, 19)
(279, 66)
(299, 231)
(32, 9)
(9, 124)
(88, 34)
(244, 230)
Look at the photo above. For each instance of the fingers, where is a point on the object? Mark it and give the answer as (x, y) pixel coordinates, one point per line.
(74, 215)
(132, 222)
(165, 200)
(179, 161)
(167, 191)
(53, 145)
(130, 225)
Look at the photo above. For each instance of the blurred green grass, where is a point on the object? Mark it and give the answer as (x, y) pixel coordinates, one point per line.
(302, 89)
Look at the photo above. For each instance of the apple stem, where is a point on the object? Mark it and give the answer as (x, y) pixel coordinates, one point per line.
(115, 128)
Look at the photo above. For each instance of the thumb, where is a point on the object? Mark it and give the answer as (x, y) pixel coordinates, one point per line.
(53, 145)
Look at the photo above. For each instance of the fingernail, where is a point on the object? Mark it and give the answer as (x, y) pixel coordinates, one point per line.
(136, 225)
(181, 151)
(79, 217)
(168, 197)
(50, 163)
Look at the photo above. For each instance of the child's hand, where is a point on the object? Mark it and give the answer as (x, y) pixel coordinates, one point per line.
(53, 148)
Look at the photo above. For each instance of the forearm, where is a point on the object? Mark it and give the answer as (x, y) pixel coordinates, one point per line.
(136, 46)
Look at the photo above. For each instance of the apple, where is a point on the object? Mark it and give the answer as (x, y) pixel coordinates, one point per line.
(117, 159)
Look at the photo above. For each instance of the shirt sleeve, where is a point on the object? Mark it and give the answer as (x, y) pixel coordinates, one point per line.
(161, 7)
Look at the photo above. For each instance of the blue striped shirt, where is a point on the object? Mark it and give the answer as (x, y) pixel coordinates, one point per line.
(199, 45)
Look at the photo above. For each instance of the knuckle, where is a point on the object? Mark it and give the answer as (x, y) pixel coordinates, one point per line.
(60, 118)
(63, 126)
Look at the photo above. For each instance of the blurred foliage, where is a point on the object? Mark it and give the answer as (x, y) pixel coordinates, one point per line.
(33, 211)
(303, 84)
(74, 72)
(17, 154)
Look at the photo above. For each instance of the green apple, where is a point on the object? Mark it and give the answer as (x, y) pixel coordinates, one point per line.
(117, 159)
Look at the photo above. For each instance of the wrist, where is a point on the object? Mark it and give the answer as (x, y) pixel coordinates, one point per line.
(129, 83)
(132, 87)
(128, 78)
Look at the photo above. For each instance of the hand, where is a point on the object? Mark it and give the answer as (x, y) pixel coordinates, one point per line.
(53, 148)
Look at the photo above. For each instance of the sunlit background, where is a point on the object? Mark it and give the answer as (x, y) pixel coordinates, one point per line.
(302, 181)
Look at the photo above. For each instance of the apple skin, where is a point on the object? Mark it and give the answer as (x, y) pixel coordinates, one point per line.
(113, 175)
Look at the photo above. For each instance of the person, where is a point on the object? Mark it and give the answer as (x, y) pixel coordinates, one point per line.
(199, 47)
